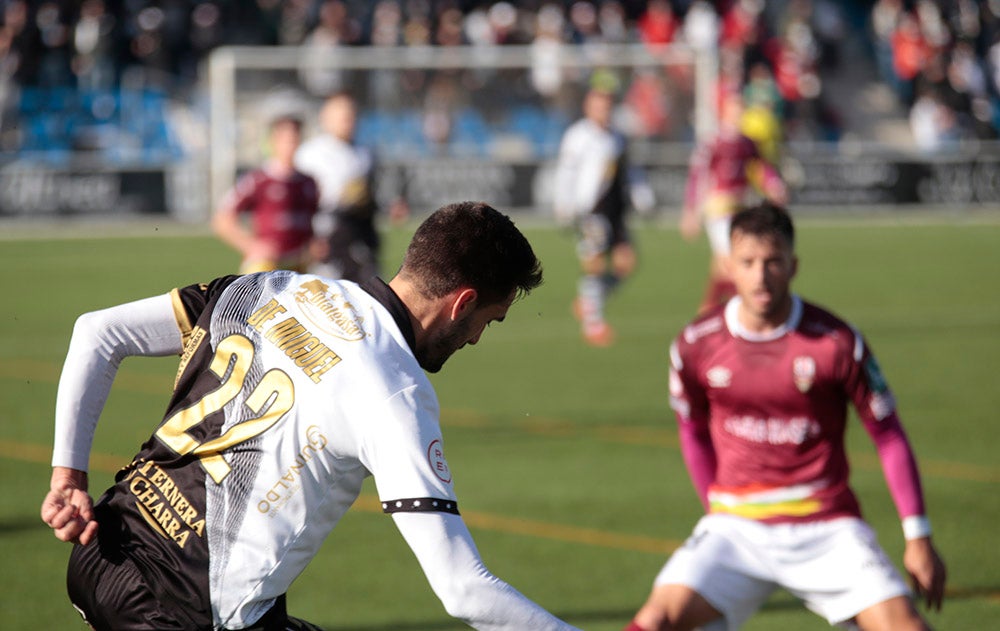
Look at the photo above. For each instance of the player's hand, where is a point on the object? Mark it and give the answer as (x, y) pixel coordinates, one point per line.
(68, 509)
(927, 571)
(778, 194)
(690, 225)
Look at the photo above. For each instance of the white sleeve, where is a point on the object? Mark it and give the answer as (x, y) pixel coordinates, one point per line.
(467, 589)
(565, 179)
(100, 341)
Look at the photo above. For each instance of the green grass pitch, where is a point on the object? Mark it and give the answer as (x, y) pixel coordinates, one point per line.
(564, 456)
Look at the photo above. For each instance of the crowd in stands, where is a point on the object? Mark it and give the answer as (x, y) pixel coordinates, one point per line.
(942, 58)
(940, 51)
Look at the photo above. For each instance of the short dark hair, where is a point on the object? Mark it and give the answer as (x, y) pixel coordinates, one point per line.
(285, 119)
(765, 219)
(471, 244)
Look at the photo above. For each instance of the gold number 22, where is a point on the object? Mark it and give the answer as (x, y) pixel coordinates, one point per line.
(270, 399)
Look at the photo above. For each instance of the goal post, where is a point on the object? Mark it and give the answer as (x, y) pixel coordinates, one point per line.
(464, 105)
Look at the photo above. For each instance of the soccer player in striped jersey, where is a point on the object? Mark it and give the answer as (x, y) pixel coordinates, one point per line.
(348, 243)
(291, 390)
(760, 387)
(595, 189)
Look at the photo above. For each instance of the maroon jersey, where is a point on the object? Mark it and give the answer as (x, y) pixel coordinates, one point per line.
(720, 167)
(776, 410)
(282, 208)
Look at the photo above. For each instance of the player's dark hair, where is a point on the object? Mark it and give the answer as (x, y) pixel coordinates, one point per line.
(764, 220)
(290, 119)
(471, 244)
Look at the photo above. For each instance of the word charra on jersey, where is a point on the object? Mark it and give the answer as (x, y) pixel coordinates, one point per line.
(291, 390)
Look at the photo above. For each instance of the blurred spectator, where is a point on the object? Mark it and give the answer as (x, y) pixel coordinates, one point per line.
(54, 54)
(611, 23)
(909, 55)
(701, 26)
(335, 29)
(94, 47)
(933, 123)
(658, 24)
(546, 72)
(885, 17)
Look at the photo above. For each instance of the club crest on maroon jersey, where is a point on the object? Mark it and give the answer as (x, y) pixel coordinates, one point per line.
(804, 372)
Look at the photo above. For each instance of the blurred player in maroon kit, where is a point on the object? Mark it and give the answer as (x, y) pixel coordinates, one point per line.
(281, 202)
(721, 176)
(760, 388)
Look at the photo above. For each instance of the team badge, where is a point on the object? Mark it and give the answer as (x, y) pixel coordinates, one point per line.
(804, 372)
(719, 377)
(435, 457)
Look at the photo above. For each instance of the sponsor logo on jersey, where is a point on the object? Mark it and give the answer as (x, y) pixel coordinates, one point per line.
(330, 312)
(289, 483)
(159, 501)
(719, 377)
(772, 431)
(804, 372)
(435, 456)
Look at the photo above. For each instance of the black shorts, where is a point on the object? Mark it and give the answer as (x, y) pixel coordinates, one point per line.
(111, 594)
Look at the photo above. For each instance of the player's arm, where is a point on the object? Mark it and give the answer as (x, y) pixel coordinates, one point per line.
(876, 407)
(772, 184)
(691, 408)
(100, 341)
(694, 192)
(401, 446)
(229, 227)
(467, 589)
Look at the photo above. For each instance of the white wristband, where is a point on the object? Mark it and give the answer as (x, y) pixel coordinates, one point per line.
(916, 527)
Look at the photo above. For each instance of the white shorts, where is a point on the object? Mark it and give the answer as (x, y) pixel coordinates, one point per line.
(837, 567)
(717, 231)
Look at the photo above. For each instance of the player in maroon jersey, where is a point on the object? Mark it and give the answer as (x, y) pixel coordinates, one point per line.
(722, 174)
(760, 388)
(281, 202)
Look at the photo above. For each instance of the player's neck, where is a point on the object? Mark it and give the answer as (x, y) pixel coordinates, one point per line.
(280, 168)
(764, 323)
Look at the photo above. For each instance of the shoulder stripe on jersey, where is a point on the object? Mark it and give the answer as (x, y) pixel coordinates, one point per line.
(180, 314)
(420, 505)
(859, 345)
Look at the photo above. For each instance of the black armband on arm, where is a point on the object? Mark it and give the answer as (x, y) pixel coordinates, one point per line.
(420, 505)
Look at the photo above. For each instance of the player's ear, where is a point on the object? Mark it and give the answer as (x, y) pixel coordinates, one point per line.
(463, 303)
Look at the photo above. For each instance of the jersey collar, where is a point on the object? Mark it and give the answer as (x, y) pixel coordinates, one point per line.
(388, 299)
(738, 330)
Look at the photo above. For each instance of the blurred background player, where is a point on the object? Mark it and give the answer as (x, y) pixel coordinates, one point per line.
(594, 190)
(721, 177)
(760, 388)
(348, 242)
(281, 202)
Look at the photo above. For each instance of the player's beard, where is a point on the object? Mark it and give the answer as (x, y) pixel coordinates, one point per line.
(443, 345)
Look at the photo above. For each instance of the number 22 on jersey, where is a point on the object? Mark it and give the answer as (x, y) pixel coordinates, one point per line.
(270, 399)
